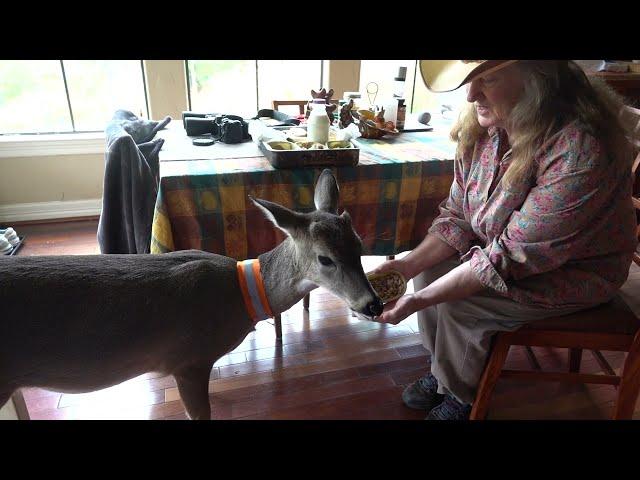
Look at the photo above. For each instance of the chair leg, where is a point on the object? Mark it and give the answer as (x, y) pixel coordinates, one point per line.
(305, 302)
(629, 383)
(278, 323)
(575, 357)
(490, 376)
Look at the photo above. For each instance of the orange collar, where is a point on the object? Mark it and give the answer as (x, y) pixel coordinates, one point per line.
(253, 292)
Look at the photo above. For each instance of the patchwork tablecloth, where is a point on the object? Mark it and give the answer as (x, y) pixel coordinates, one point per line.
(392, 196)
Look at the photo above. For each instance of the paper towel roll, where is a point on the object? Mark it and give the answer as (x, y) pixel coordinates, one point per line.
(391, 110)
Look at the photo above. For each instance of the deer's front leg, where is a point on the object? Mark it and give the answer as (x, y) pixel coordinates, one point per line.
(193, 385)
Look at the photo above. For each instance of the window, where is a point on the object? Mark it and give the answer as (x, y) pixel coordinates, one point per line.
(380, 74)
(242, 87)
(418, 97)
(63, 96)
(287, 80)
(222, 86)
(447, 103)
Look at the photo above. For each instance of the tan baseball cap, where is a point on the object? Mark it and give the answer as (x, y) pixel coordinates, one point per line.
(447, 75)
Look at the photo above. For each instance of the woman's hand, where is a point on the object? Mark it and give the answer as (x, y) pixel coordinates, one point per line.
(457, 284)
(396, 311)
(399, 265)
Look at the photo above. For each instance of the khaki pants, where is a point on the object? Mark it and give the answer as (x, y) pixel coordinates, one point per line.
(458, 334)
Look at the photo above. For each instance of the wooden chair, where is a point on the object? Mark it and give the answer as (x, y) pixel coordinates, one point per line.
(631, 116)
(300, 103)
(610, 327)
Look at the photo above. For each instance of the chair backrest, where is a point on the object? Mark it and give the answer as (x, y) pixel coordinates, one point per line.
(631, 117)
(300, 103)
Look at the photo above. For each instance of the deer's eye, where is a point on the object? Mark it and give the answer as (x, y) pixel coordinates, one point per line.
(326, 261)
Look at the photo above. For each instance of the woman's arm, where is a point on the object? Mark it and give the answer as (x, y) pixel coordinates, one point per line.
(430, 252)
(459, 283)
(449, 233)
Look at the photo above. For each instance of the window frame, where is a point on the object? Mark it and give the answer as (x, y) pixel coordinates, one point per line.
(70, 109)
(257, 82)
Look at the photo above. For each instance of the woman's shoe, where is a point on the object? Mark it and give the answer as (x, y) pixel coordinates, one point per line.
(5, 246)
(10, 235)
(450, 409)
(423, 393)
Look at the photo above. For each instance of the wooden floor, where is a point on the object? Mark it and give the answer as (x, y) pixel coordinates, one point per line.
(329, 366)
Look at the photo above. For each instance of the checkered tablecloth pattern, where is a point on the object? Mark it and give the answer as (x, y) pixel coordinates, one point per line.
(392, 196)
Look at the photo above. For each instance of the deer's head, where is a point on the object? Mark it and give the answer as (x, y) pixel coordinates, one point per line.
(327, 249)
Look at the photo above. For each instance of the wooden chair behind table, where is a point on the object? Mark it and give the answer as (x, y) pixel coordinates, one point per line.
(610, 327)
(300, 103)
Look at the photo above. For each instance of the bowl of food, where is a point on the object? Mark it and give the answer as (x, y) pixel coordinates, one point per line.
(389, 285)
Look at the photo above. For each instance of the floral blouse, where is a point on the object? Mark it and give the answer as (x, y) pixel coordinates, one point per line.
(566, 240)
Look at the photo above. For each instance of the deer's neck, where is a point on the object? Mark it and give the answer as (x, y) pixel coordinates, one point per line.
(283, 276)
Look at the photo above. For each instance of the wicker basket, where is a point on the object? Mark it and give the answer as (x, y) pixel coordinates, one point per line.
(368, 128)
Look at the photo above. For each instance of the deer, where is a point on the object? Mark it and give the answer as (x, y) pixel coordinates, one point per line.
(80, 323)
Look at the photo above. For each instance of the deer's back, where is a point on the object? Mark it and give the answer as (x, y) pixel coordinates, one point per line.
(116, 315)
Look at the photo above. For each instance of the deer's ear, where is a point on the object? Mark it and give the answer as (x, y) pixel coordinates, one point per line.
(285, 219)
(326, 193)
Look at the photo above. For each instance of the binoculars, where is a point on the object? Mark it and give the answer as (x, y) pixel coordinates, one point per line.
(222, 128)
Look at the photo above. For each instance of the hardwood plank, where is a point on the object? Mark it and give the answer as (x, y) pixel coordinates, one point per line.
(375, 334)
(231, 358)
(332, 391)
(292, 372)
(400, 365)
(290, 385)
(327, 333)
(557, 406)
(223, 384)
(406, 377)
(114, 396)
(285, 350)
(360, 406)
(413, 350)
(345, 349)
(265, 365)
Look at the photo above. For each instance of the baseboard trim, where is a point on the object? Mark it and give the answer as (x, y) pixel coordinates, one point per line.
(24, 212)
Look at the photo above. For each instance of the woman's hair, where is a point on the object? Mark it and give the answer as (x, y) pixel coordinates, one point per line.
(555, 94)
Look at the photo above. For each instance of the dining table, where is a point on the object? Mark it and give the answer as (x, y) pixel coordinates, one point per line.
(392, 194)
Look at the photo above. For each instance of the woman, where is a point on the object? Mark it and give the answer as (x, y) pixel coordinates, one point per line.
(538, 222)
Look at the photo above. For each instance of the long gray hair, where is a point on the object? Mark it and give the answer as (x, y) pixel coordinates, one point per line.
(555, 93)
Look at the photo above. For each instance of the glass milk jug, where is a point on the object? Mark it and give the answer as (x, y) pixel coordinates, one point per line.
(318, 122)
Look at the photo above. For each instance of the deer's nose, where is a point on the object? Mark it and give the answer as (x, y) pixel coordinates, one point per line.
(374, 308)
